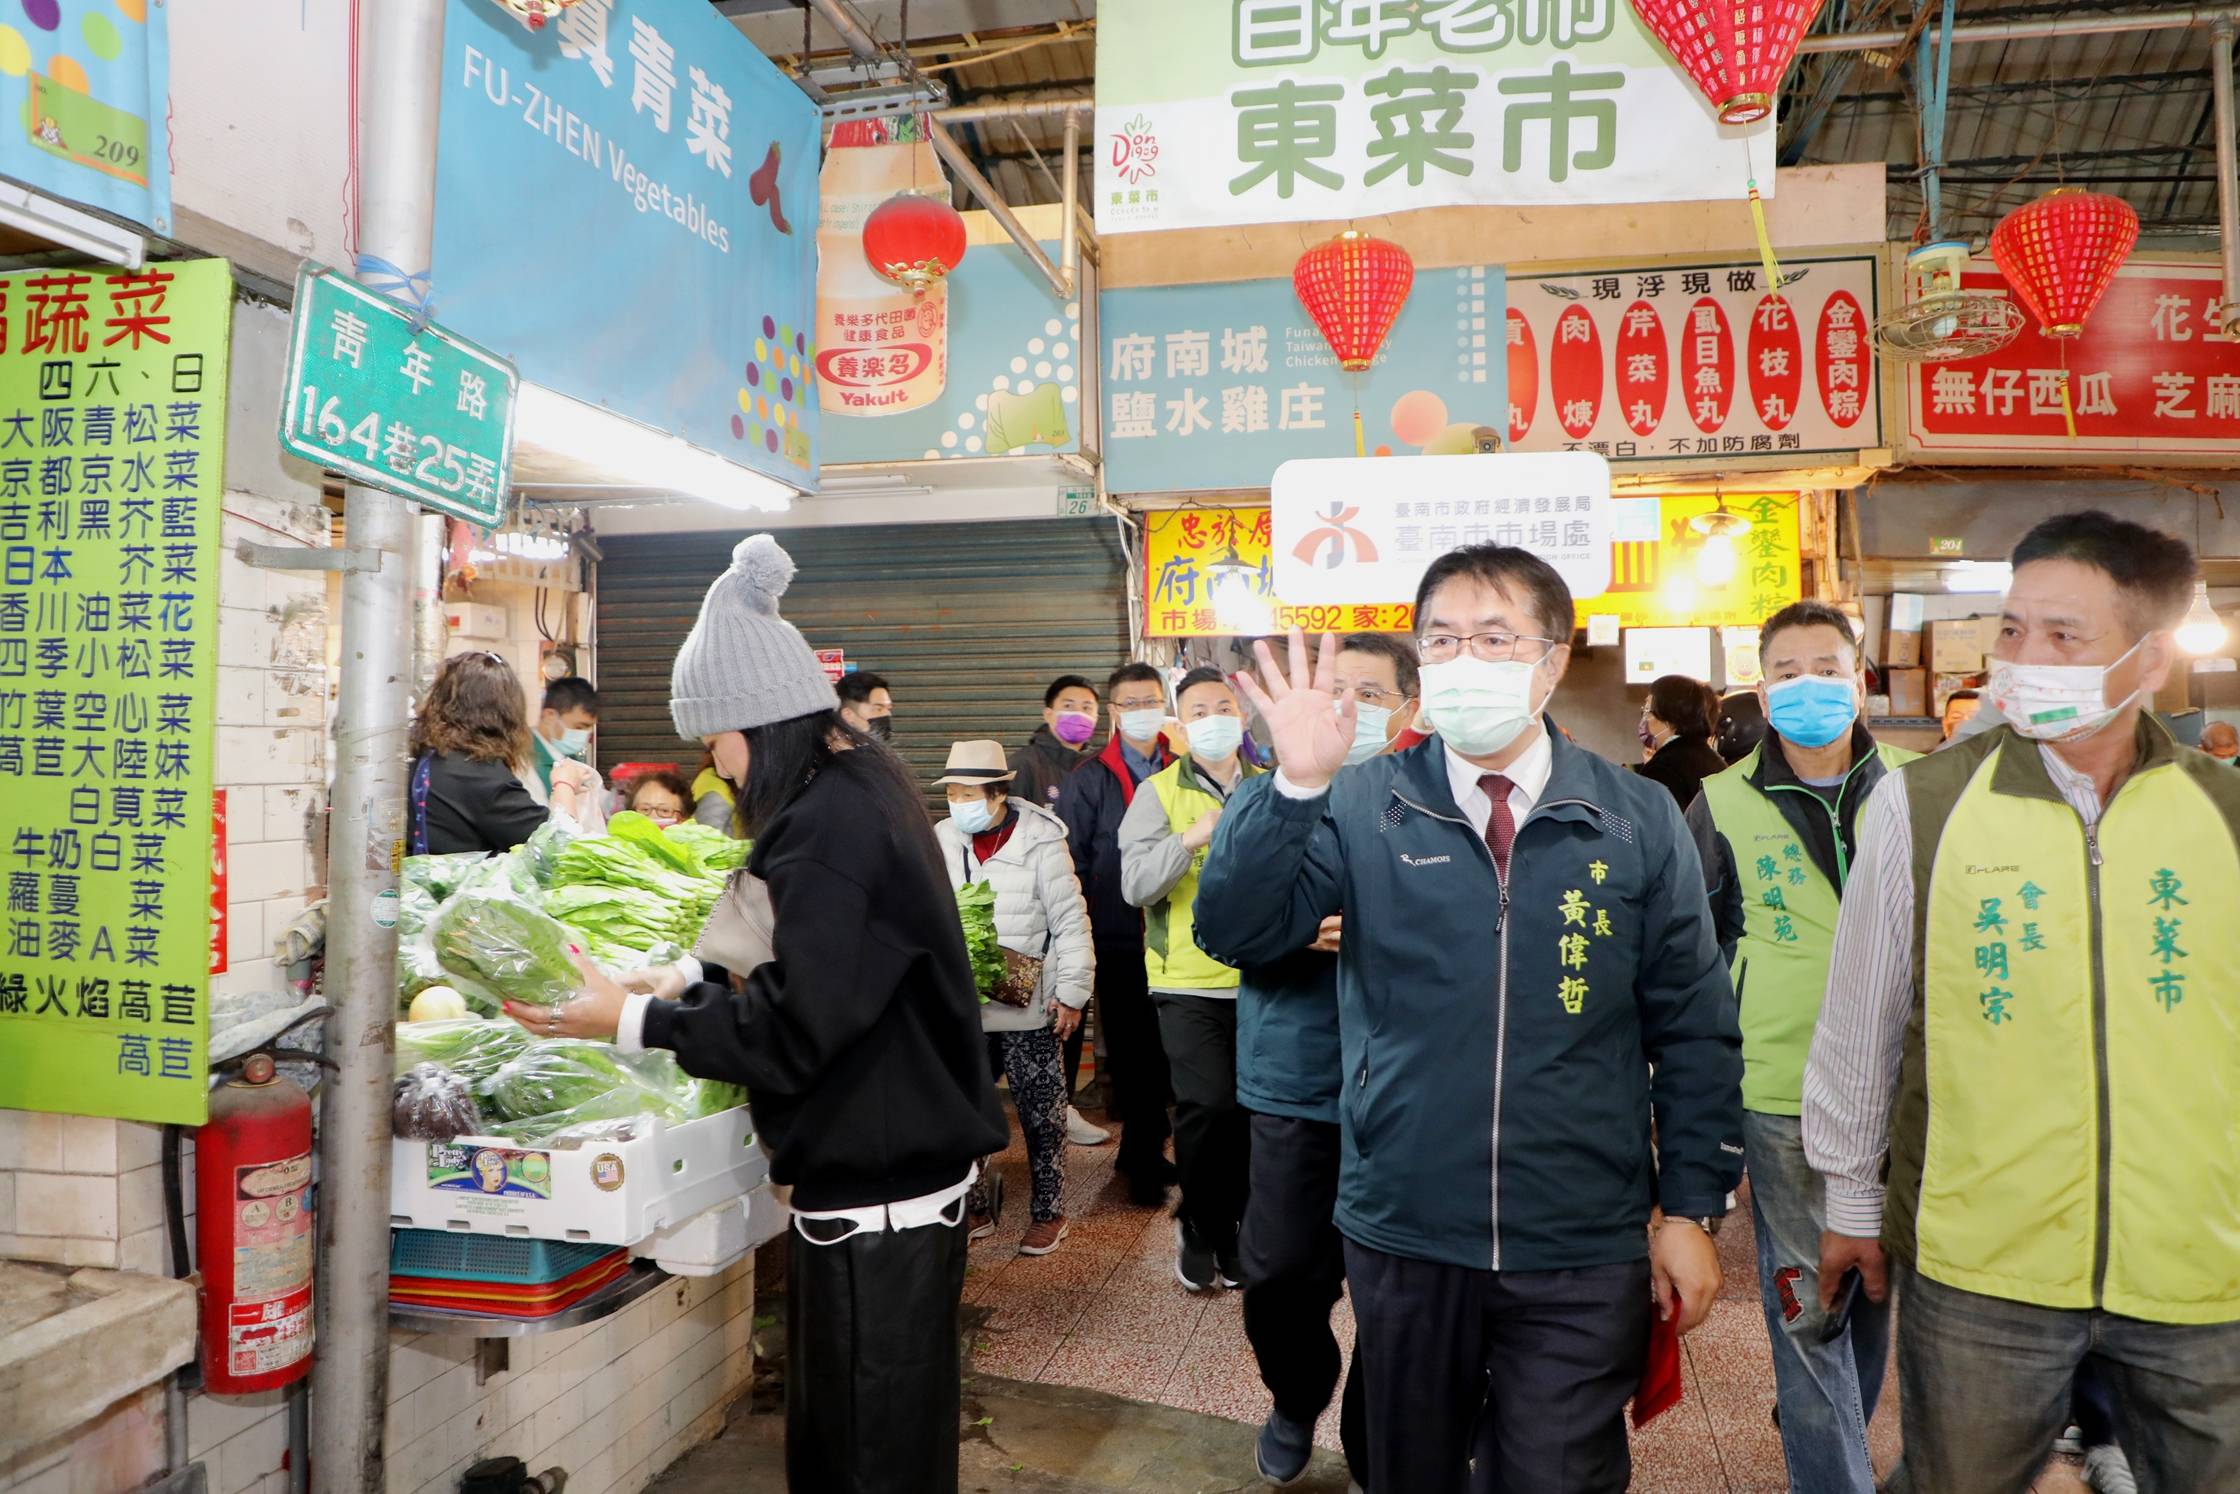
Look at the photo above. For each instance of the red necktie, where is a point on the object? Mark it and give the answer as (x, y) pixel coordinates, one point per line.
(1501, 826)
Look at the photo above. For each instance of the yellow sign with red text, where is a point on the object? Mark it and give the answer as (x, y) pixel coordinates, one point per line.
(1207, 572)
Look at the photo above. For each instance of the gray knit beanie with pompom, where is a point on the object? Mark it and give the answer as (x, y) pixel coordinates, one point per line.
(743, 665)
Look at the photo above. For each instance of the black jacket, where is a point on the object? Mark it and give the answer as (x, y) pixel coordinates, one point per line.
(860, 1044)
(1043, 766)
(1682, 765)
(1828, 839)
(1093, 802)
(469, 806)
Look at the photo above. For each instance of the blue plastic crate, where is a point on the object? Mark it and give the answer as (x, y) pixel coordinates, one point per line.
(446, 1255)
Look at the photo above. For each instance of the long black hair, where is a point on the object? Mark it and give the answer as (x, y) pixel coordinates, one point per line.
(784, 756)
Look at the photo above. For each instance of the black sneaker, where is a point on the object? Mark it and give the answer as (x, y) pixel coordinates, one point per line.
(1229, 1267)
(1284, 1450)
(1194, 1265)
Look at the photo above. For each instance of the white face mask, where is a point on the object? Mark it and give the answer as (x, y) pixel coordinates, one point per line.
(1215, 737)
(1142, 727)
(1476, 706)
(2056, 702)
(574, 741)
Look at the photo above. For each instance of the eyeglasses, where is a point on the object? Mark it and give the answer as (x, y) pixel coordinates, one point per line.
(1141, 703)
(1493, 648)
(1371, 695)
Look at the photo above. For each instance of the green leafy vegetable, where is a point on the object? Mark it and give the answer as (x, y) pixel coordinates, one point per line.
(976, 908)
(540, 853)
(717, 851)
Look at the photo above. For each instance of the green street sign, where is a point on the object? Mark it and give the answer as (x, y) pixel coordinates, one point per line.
(427, 416)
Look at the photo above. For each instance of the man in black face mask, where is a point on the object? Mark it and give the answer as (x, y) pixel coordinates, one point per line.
(867, 704)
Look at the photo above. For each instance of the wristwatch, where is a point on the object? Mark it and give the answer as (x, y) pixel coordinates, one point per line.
(1708, 1223)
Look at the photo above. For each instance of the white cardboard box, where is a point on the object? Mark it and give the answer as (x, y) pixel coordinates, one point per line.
(607, 1193)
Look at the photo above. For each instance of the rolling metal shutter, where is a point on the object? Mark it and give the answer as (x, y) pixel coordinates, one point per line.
(967, 622)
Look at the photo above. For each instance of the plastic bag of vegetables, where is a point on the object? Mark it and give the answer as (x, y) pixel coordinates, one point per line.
(540, 853)
(976, 909)
(496, 940)
(581, 1081)
(433, 1104)
(471, 1048)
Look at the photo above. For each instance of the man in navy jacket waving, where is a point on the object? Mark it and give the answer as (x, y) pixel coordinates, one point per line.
(1529, 976)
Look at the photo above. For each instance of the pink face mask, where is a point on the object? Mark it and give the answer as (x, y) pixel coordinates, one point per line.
(1074, 727)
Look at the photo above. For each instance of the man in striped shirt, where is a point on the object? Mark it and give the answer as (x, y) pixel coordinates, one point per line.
(2021, 1083)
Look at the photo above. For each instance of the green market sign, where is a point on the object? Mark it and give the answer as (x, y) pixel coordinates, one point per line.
(421, 413)
(1265, 111)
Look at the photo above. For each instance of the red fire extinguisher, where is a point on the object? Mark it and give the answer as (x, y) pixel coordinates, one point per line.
(254, 1232)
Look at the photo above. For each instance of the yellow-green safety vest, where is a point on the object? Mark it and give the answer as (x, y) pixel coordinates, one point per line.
(2069, 1097)
(1789, 925)
(1171, 957)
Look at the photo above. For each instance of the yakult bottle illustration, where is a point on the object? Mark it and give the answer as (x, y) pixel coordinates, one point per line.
(880, 350)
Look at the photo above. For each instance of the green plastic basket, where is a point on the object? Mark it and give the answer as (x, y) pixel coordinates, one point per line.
(448, 1255)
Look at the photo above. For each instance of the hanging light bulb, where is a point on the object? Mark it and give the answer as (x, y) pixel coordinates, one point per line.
(2201, 631)
(1715, 556)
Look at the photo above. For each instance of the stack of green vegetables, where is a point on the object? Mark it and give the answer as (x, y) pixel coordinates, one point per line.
(493, 929)
(976, 907)
(551, 1091)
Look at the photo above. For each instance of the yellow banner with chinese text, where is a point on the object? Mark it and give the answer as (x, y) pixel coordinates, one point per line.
(1207, 571)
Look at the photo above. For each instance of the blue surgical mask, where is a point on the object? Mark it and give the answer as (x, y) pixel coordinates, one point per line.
(1215, 737)
(1369, 723)
(575, 741)
(1812, 710)
(972, 816)
(1140, 727)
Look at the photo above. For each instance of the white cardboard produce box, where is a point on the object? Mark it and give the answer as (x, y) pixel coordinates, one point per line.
(607, 1193)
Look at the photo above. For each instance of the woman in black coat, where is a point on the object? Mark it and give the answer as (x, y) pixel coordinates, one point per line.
(1676, 729)
(858, 1037)
(468, 743)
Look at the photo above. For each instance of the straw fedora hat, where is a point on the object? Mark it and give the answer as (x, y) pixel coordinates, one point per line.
(976, 765)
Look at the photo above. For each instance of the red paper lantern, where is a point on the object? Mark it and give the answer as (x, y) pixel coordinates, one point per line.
(913, 240)
(2061, 252)
(1735, 50)
(1353, 287)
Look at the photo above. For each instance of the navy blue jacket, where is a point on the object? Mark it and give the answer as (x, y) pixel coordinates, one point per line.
(1498, 1041)
(1288, 1058)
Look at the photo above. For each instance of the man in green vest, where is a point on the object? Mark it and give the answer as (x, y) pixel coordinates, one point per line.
(1776, 834)
(1163, 844)
(2025, 1083)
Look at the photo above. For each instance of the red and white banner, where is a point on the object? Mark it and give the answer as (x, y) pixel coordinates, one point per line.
(1679, 362)
(2150, 375)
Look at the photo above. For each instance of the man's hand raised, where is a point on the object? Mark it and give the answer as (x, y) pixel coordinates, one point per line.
(1309, 727)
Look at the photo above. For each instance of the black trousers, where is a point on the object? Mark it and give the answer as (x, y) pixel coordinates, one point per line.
(1140, 1082)
(873, 1391)
(1212, 1132)
(1548, 1359)
(1294, 1271)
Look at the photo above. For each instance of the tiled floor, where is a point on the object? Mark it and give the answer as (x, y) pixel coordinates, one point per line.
(1106, 1313)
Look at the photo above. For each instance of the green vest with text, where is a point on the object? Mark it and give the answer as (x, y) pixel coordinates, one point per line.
(2069, 1095)
(1789, 928)
(1171, 957)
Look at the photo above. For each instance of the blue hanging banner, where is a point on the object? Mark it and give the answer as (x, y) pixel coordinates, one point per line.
(626, 207)
(1210, 388)
(83, 85)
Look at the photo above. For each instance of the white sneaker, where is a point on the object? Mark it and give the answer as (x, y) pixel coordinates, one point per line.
(2109, 1471)
(1081, 1133)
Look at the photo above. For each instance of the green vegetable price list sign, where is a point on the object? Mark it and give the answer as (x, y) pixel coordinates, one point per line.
(421, 413)
(112, 470)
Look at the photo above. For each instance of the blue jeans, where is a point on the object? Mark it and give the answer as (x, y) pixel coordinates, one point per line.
(1984, 1385)
(1826, 1391)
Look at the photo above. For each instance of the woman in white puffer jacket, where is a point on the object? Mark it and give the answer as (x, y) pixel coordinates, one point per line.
(1020, 849)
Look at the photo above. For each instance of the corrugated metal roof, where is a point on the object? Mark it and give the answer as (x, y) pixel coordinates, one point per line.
(2127, 114)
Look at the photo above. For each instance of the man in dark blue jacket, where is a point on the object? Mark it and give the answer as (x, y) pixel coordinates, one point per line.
(1528, 977)
(1289, 1074)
